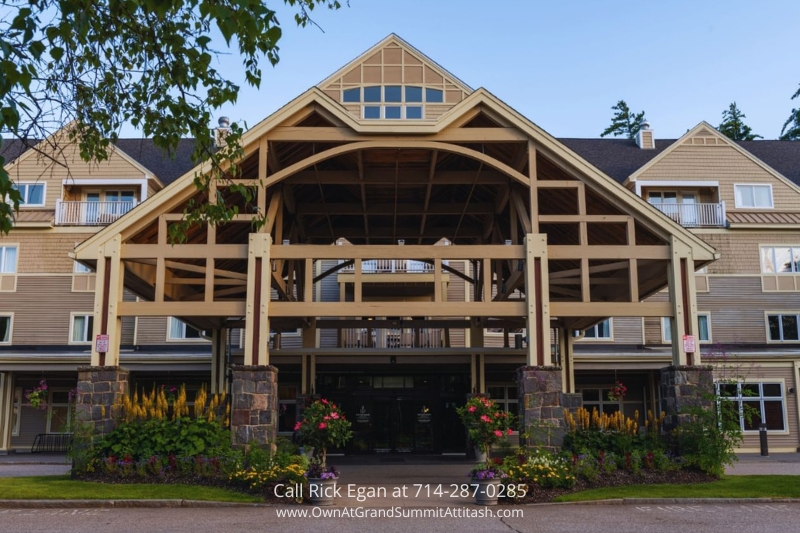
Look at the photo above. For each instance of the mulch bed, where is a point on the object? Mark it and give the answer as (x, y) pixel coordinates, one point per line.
(537, 494)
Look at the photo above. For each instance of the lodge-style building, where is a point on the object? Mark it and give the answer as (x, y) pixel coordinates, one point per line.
(423, 242)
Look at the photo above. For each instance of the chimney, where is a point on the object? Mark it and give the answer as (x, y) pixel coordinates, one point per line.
(645, 138)
(221, 131)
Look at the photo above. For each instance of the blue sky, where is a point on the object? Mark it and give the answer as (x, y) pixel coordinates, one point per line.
(564, 64)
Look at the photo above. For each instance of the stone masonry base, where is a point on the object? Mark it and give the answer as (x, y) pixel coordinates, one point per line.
(682, 388)
(542, 405)
(254, 414)
(100, 388)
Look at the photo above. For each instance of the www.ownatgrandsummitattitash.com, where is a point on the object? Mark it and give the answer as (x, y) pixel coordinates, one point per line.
(400, 512)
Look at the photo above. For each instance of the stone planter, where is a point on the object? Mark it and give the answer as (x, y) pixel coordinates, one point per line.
(488, 491)
(321, 491)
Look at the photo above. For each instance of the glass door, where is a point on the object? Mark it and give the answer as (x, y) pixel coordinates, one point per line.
(91, 213)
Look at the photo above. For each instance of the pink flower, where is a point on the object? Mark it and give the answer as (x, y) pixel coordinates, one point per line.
(298, 426)
(472, 409)
(498, 432)
(324, 401)
(322, 425)
(485, 418)
(509, 431)
(326, 417)
(335, 416)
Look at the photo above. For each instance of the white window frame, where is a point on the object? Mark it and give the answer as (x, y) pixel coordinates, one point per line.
(80, 268)
(736, 196)
(16, 411)
(772, 247)
(666, 328)
(403, 104)
(72, 317)
(51, 404)
(10, 340)
(610, 338)
(761, 399)
(3, 258)
(767, 314)
(505, 401)
(170, 338)
(23, 203)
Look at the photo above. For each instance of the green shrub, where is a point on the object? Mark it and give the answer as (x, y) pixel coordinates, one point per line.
(707, 442)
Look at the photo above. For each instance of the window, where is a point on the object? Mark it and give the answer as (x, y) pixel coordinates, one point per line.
(401, 102)
(8, 259)
(351, 95)
(756, 403)
(59, 419)
(703, 328)
(506, 397)
(82, 327)
(780, 259)
(6, 323)
(753, 196)
(32, 194)
(81, 268)
(601, 331)
(782, 327)
(15, 412)
(179, 330)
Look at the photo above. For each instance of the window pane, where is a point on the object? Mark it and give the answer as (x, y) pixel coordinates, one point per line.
(496, 393)
(372, 94)
(35, 194)
(590, 395)
(351, 95)
(512, 392)
(192, 333)
(654, 197)
(175, 328)
(670, 197)
(750, 390)
(744, 195)
(393, 93)
(78, 328)
(774, 322)
(59, 419)
(796, 259)
(393, 111)
(783, 259)
(126, 196)
(762, 196)
(773, 412)
(604, 329)
(751, 411)
(666, 327)
(434, 95)
(789, 323)
(728, 390)
(413, 94)
(416, 112)
(513, 409)
(372, 112)
(8, 259)
(771, 389)
(5, 328)
(81, 269)
(702, 328)
(767, 262)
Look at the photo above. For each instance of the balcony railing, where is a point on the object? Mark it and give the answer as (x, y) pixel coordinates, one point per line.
(392, 338)
(381, 266)
(694, 215)
(90, 213)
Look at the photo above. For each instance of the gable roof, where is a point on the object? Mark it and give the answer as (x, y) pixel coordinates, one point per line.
(619, 158)
(783, 156)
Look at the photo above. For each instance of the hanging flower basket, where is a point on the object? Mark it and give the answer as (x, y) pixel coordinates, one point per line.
(37, 396)
(617, 392)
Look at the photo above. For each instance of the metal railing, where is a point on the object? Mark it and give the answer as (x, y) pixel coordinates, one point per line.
(380, 266)
(51, 443)
(392, 338)
(70, 213)
(694, 215)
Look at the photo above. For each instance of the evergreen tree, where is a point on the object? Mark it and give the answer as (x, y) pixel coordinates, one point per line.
(624, 123)
(791, 128)
(733, 126)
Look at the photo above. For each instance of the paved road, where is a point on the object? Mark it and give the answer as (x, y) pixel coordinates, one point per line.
(540, 519)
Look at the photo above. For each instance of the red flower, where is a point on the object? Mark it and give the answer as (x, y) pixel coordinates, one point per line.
(326, 417)
(297, 426)
(486, 418)
(335, 416)
(472, 409)
(498, 433)
(509, 431)
(322, 425)
(324, 401)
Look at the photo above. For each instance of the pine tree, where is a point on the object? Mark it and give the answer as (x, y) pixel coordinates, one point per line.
(733, 126)
(624, 123)
(791, 128)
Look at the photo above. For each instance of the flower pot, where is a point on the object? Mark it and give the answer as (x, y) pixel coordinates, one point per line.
(307, 452)
(321, 491)
(488, 491)
(480, 455)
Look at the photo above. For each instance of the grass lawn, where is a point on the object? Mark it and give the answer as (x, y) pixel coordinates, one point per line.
(63, 488)
(727, 487)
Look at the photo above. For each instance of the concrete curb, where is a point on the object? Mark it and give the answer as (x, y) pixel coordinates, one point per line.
(120, 504)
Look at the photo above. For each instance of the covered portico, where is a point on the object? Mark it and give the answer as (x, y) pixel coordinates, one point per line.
(548, 244)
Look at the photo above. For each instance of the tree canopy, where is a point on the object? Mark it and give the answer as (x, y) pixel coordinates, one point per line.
(733, 126)
(98, 64)
(791, 128)
(624, 123)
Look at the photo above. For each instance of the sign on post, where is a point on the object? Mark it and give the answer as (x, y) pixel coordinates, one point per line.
(101, 344)
(689, 344)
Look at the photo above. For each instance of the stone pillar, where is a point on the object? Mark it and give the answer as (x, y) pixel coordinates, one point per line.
(682, 388)
(542, 405)
(254, 415)
(99, 389)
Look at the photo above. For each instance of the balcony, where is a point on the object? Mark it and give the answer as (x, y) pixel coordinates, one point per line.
(384, 266)
(399, 338)
(694, 215)
(90, 213)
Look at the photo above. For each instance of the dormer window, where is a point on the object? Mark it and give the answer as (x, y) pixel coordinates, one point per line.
(392, 102)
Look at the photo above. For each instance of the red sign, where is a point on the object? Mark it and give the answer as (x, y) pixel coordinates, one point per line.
(101, 344)
(689, 344)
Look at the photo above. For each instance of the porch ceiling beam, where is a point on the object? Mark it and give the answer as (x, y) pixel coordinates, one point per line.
(608, 252)
(184, 251)
(335, 323)
(174, 265)
(403, 232)
(610, 309)
(323, 134)
(407, 178)
(359, 309)
(317, 208)
(592, 270)
(391, 251)
(187, 309)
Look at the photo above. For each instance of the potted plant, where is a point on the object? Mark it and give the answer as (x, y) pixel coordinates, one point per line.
(617, 392)
(486, 424)
(37, 396)
(323, 425)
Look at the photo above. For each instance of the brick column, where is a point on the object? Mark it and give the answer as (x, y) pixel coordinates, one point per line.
(682, 388)
(542, 404)
(99, 389)
(254, 415)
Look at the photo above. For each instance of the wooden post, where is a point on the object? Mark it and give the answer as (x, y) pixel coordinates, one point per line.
(676, 298)
(107, 298)
(537, 300)
(689, 300)
(6, 407)
(219, 341)
(309, 341)
(259, 274)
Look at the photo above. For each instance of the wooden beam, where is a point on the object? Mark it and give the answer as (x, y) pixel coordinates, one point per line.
(184, 251)
(610, 309)
(360, 159)
(426, 204)
(458, 135)
(391, 251)
(608, 252)
(533, 188)
(593, 270)
(432, 309)
(408, 178)
(256, 349)
(216, 309)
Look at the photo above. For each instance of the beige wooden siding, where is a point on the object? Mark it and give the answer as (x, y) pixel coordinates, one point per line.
(151, 330)
(32, 422)
(455, 293)
(42, 306)
(329, 289)
(35, 168)
(128, 322)
(703, 157)
(44, 251)
(741, 252)
(627, 330)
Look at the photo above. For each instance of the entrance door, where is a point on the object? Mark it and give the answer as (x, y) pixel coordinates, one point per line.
(394, 425)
